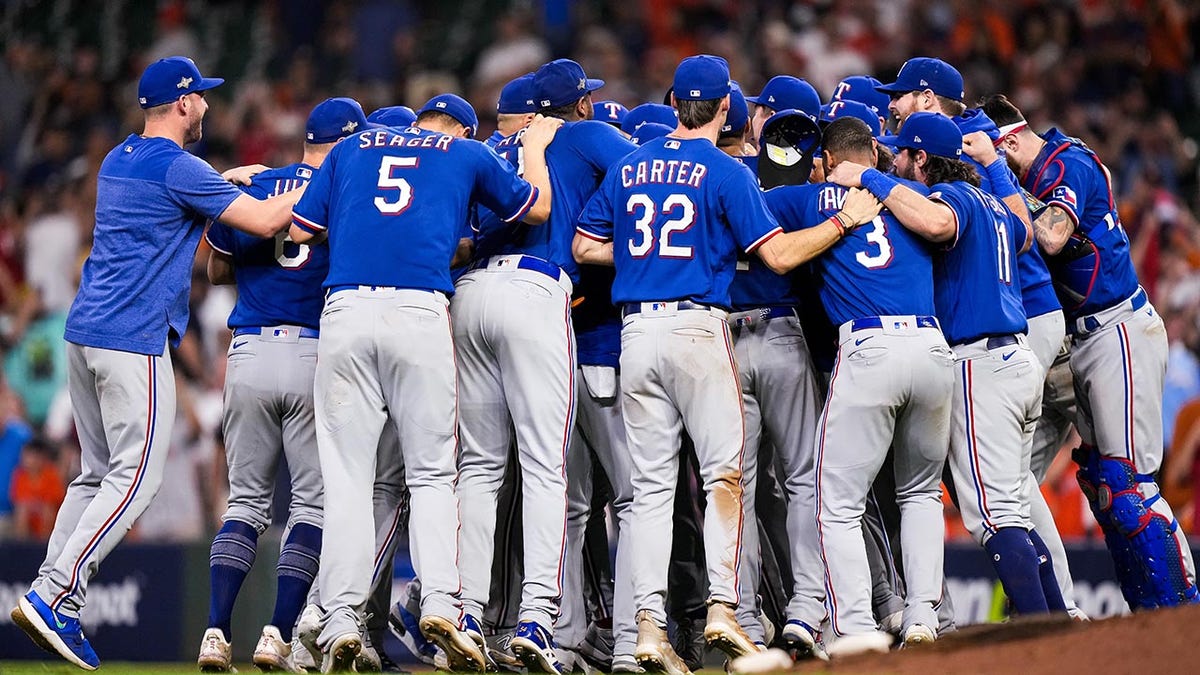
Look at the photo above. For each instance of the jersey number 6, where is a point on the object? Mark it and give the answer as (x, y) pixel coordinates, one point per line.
(389, 182)
(644, 225)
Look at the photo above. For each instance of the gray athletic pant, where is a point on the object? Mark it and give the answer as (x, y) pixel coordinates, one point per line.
(124, 408)
(678, 368)
(268, 412)
(386, 350)
(890, 386)
(781, 401)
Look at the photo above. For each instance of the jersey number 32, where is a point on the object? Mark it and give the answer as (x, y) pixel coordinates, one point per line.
(682, 213)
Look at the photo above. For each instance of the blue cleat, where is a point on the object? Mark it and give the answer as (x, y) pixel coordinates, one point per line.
(535, 647)
(406, 627)
(54, 632)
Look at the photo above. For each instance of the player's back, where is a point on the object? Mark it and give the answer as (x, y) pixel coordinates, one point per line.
(1069, 175)
(878, 269)
(976, 287)
(672, 239)
(396, 200)
(578, 159)
(278, 281)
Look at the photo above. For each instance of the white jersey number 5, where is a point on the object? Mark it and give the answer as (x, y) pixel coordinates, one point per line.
(678, 205)
(389, 182)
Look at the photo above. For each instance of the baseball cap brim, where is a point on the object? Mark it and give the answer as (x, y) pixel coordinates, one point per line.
(207, 83)
(754, 100)
(593, 84)
(894, 87)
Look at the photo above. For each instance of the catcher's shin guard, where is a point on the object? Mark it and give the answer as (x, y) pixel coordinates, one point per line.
(1125, 560)
(1150, 534)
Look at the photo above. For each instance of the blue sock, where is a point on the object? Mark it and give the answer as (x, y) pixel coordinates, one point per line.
(297, 569)
(232, 555)
(1054, 598)
(1016, 563)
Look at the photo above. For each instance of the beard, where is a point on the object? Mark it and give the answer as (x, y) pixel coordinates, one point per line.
(195, 131)
(907, 172)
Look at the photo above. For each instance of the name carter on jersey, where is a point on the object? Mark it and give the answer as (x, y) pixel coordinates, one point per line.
(669, 171)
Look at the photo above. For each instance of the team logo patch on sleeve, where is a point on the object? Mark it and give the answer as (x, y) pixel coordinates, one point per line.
(1066, 195)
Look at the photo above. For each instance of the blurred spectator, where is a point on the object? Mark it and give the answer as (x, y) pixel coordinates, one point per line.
(37, 491)
(13, 436)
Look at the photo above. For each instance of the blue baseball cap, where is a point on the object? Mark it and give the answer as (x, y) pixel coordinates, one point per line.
(934, 133)
(701, 78)
(921, 73)
(334, 119)
(168, 79)
(976, 120)
(739, 112)
(612, 112)
(650, 131)
(835, 109)
(649, 112)
(560, 82)
(393, 116)
(454, 106)
(516, 97)
(784, 92)
(862, 88)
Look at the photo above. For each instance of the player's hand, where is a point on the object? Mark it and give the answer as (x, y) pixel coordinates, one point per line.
(540, 132)
(847, 174)
(243, 175)
(860, 206)
(978, 146)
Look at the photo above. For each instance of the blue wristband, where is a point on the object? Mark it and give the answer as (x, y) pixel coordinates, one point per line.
(1002, 179)
(878, 183)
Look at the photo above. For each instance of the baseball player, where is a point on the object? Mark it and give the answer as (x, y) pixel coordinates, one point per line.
(862, 89)
(931, 85)
(782, 92)
(399, 116)
(781, 402)
(1118, 358)
(891, 385)
(997, 388)
(268, 401)
(649, 112)
(611, 112)
(387, 348)
(153, 200)
(514, 109)
(670, 216)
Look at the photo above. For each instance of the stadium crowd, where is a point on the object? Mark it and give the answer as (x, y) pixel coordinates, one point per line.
(1119, 74)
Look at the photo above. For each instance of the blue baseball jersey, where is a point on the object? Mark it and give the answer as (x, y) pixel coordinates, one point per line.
(754, 284)
(494, 140)
(597, 322)
(152, 202)
(878, 269)
(677, 211)
(578, 159)
(278, 281)
(1068, 174)
(1037, 293)
(394, 203)
(976, 288)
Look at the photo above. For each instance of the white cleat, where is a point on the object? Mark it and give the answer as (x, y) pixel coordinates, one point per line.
(308, 629)
(653, 651)
(723, 632)
(302, 661)
(216, 654)
(272, 654)
(769, 661)
(917, 635)
(343, 652)
(863, 643)
(462, 654)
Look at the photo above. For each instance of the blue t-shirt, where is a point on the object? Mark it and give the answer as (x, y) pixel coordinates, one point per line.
(976, 288)
(878, 269)
(152, 202)
(677, 211)
(394, 203)
(578, 159)
(1066, 173)
(278, 281)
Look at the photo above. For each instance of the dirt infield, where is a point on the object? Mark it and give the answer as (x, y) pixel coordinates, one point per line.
(1160, 642)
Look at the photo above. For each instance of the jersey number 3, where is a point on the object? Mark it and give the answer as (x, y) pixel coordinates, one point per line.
(389, 182)
(878, 237)
(644, 234)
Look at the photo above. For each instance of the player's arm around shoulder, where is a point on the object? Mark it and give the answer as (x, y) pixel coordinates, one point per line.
(536, 139)
(785, 252)
(930, 219)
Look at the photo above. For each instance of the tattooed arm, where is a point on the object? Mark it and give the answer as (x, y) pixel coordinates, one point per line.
(1052, 229)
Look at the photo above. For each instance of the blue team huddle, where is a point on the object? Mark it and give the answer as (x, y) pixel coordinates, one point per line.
(758, 333)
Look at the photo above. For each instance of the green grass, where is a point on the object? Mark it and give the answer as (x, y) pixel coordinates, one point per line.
(59, 667)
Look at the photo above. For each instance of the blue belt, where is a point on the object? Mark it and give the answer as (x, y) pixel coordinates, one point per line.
(636, 307)
(531, 263)
(1001, 341)
(761, 314)
(876, 322)
(258, 330)
(1091, 323)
